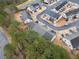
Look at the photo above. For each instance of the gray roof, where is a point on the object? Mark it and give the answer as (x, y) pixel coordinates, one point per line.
(75, 1)
(46, 34)
(52, 14)
(61, 5)
(72, 12)
(77, 25)
(78, 29)
(74, 39)
(75, 42)
(72, 36)
(25, 15)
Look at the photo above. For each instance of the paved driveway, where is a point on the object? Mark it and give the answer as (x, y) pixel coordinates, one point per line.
(3, 42)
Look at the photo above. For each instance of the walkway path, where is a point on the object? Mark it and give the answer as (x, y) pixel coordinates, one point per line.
(3, 42)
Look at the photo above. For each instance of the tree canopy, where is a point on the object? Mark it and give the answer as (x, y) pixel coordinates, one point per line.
(9, 2)
(3, 16)
(30, 45)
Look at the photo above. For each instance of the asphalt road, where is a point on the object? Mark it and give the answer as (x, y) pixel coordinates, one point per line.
(52, 26)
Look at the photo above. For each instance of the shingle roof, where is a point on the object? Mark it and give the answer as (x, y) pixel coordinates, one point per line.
(74, 39)
(78, 29)
(52, 14)
(75, 11)
(61, 5)
(75, 42)
(48, 35)
(72, 36)
(75, 1)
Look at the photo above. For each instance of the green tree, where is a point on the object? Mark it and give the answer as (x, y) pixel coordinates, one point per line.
(13, 27)
(41, 49)
(30, 45)
(10, 2)
(5, 20)
(2, 17)
(10, 52)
